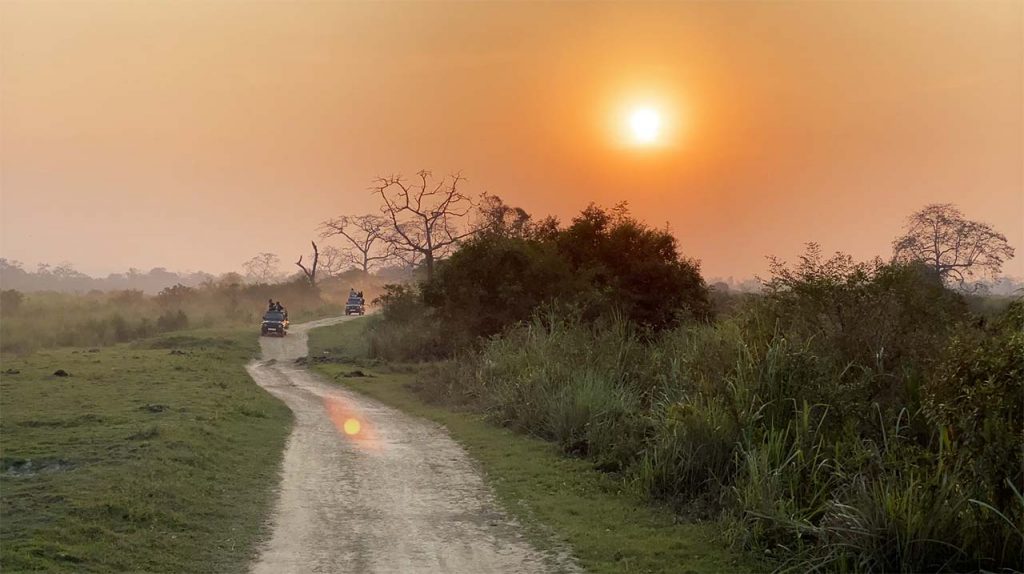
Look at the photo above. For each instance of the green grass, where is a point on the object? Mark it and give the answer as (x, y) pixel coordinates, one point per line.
(155, 456)
(560, 500)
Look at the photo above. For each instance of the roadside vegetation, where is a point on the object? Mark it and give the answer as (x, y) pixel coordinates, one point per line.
(560, 501)
(49, 319)
(855, 416)
(155, 456)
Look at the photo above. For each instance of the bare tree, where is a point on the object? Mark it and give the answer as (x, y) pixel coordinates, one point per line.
(310, 272)
(424, 217)
(365, 238)
(953, 246)
(263, 268)
(333, 261)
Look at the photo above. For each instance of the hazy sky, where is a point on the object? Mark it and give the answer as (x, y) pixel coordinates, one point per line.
(193, 135)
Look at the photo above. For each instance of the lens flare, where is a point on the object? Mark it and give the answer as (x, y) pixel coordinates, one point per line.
(352, 427)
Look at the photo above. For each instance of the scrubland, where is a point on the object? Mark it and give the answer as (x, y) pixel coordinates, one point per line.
(854, 416)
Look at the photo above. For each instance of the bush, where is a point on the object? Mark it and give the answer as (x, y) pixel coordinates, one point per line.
(633, 268)
(172, 321)
(880, 316)
(406, 329)
(976, 398)
(604, 263)
(854, 418)
(493, 282)
(10, 301)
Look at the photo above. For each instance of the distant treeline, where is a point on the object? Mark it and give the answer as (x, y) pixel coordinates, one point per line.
(1003, 286)
(64, 278)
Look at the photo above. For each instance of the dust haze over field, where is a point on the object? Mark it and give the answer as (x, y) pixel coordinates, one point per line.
(192, 136)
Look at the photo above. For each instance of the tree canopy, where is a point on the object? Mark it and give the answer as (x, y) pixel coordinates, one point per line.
(954, 247)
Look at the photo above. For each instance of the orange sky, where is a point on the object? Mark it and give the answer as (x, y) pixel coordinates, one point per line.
(194, 135)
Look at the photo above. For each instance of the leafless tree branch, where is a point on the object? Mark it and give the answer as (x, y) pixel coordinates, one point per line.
(310, 272)
(954, 247)
(424, 218)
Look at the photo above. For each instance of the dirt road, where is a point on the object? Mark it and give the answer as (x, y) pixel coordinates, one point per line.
(366, 488)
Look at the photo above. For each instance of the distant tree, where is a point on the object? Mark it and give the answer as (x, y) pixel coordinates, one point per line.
(333, 262)
(230, 279)
(13, 274)
(424, 217)
(365, 240)
(175, 296)
(310, 272)
(498, 218)
(65, 271)
(263, 268)
(954, 247)
(10, 264)
(10, 301)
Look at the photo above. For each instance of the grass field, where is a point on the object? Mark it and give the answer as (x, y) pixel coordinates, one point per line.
(155, 456)
(558, 498)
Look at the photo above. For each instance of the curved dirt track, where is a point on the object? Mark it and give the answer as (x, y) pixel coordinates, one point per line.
(396, 496)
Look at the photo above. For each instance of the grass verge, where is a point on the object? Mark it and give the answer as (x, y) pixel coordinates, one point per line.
(565, 499)
(156, 456)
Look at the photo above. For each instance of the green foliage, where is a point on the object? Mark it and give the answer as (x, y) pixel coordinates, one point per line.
(559, 501)
(880, 316)
(854, 417)
(976, 396)
(604, 263)
(495, 281)
(633, 268)
(405, 330)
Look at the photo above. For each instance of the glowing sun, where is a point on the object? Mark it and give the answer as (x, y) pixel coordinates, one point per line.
(645, 125)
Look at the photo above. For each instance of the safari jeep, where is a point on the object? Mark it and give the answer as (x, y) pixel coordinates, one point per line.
(355, 306)
(274, 323)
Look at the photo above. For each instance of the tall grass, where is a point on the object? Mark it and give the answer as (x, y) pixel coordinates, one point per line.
(50, 319)
(813, 461)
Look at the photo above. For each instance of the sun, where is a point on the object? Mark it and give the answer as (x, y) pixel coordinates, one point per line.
(645, 125)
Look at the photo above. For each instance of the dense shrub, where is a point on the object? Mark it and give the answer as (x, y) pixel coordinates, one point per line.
(604, 264)
(882, 316)
(633, 268)
(406, 330)
(976, 397)
(11, 300)
(495, 281)
(854, 418)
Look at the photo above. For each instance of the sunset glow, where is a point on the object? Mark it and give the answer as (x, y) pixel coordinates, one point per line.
(130, 126)
(645, 125)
